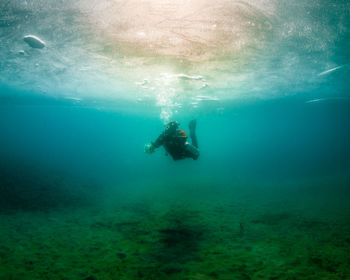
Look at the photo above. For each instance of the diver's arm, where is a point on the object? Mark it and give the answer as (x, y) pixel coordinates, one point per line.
(150, 147)
(159, 142)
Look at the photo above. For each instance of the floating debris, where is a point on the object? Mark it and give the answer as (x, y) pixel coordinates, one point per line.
(205, 85)
(205, 98)
(316, 100)
(77, 99)
(330, 70)
(188, 77)
(34, 41)
(143, 83)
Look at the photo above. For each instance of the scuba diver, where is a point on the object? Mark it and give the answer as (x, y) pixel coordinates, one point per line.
(175, 142)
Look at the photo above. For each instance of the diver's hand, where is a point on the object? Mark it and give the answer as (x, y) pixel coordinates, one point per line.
(149, 148)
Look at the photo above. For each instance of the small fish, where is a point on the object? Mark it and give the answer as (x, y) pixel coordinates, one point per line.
(34, 41)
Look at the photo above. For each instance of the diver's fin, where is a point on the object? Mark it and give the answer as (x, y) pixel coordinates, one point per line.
(192, 126)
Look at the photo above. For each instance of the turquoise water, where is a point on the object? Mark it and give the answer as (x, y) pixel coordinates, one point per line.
(267, 82)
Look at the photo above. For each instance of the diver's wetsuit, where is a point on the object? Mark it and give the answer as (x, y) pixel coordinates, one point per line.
(175, 142)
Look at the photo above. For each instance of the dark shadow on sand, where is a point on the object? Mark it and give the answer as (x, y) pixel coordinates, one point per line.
(179, 242)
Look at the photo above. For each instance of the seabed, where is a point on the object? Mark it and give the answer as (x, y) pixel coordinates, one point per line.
(196, 228)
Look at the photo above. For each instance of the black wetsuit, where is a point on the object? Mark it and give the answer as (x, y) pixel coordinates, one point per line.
(175, 143)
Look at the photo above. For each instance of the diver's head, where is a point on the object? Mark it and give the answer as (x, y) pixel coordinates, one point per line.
(171, 126)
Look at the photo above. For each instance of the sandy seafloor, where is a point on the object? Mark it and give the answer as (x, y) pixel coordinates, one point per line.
(197, 228)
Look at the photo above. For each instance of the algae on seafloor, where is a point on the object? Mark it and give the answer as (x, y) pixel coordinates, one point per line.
(214, 235)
